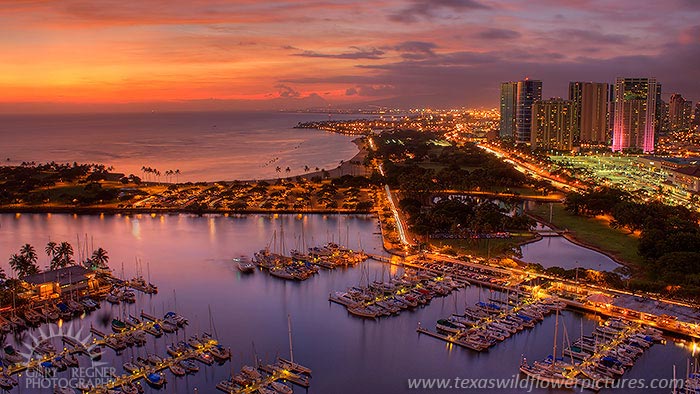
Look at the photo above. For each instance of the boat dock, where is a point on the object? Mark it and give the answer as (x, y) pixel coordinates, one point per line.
(196, 354)
(274, 373)
(446, 338)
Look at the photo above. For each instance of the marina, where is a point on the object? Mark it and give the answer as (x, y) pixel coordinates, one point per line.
(487, 323)
(410, 290)
(205, 276)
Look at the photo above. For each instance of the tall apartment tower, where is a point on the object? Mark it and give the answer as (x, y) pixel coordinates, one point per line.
(635, 114)
(679, 113)
(509, 94)
(528, 92)
(553, 124)
(591, 106)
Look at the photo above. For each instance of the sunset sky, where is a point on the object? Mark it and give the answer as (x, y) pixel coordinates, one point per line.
(93, 54)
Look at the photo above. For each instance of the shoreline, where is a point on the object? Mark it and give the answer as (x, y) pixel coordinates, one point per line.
(571, 237)
(345, 168)
(128, 211)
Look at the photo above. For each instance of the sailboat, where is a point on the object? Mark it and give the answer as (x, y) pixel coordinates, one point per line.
(290, 364)
(244, 264)
(552, 373)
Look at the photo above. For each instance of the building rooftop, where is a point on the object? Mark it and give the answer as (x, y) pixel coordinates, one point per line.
(692, 171)
(681, 161)
(62, 276)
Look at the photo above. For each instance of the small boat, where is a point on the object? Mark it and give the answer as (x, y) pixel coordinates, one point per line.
(176, 319)
(281, 388)
(292, 366)
(71, 360)
(131, 388)
(113, 299)
(128, 296)
(189, 365)
(142, 362)
(131, 367)
(281, 273)
(267, 390)
(177, 370)
(132, 321)
(155, 380)
(168, 327)
(45, 347)
(195, 343)
(227, 386)
(220, 353)
(49, 313)
(32, 317)
(118, 325)
(11, 355)
(251, 372)
(7, 382)
(174, 350)
(244, 265)
(89, 304)
(75, 306)
(205, 358)
(154, 330)
(115, 343)
(155, 359)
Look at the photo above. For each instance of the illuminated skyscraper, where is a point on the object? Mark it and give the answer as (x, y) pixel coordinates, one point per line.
(635, 114)
(553, 125)
(509, 92)
(591, 100)
(529, 91)
(679, 113)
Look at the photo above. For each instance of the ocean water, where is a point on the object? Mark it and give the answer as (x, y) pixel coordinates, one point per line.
(204, 146)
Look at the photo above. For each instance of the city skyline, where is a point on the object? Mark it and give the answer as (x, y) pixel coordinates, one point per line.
(77, 56)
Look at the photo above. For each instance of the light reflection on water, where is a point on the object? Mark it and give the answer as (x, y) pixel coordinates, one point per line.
(192, 266)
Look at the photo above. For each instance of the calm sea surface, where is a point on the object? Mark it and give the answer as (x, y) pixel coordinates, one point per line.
(560, 252)
(190, 260)
(204, 146)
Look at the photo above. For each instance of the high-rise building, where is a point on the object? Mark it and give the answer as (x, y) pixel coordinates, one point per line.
(696, 117)
(528, 92)
(553, 124)
(680, 112)
(661, 112)
(591, 106)
(509, 94)
(635, 114)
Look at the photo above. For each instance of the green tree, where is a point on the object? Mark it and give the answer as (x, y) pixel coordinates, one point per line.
(100, 258)
(24, 263)
(64, 255)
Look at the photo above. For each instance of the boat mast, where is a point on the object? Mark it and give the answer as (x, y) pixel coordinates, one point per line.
(289, 328)
(554, 348)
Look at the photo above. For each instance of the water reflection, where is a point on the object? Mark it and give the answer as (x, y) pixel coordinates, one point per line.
(560, 252)
(348, 355)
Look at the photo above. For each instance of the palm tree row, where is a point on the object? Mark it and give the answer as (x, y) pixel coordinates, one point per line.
(156, 173)
(60, 255)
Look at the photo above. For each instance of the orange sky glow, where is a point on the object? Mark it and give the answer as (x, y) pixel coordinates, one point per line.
(323, 52)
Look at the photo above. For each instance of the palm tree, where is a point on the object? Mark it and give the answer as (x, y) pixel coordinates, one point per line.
(64, 255)
(24, 263)
(306, 168)
(29, 253)
(18, 264)
(50, 250)
(287, 170)
(177, 176)
(100, 258)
